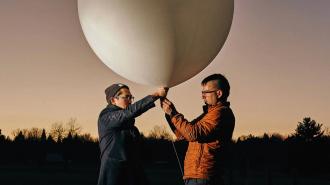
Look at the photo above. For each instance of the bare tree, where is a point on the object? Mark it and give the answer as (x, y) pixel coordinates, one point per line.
(57, 131)
(34, 133)
(327, 131)
(72, 127)
(159, 132)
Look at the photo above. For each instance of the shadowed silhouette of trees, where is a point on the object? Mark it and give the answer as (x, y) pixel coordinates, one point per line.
(306, 150)
(154, 145)
(39, 147)
(308, 130)
(2, 137)
(159, 132)
(72, 127)
(309, 147)
(57, 131)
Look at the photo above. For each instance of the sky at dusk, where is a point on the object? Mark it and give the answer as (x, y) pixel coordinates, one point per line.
(276, 57)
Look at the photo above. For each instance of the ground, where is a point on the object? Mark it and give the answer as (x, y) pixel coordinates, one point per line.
(158, 174)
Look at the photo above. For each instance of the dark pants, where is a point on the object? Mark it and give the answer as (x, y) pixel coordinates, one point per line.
(213, 181)
(114, 172)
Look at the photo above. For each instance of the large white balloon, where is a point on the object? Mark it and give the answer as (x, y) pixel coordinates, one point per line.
(156, 42)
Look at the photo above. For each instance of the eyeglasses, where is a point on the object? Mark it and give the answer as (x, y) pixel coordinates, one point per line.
(206, 92)
(128, 97)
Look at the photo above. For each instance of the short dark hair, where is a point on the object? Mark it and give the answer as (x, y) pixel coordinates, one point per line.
(222, 84)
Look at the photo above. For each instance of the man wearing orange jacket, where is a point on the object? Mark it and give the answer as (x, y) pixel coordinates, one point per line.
(208, 135)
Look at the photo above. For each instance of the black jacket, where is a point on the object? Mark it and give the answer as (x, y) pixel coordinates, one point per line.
(120, 143)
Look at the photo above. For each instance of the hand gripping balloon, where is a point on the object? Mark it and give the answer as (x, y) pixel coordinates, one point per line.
(156, 42)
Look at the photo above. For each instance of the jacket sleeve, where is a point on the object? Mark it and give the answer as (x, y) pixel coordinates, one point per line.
(199, 130)
(119, 118)
(174, 130)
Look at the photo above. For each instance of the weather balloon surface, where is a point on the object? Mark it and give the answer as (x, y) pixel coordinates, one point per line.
(156, 42)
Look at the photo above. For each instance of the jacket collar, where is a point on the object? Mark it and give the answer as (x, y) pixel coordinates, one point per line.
(113, 107)
(207, 108)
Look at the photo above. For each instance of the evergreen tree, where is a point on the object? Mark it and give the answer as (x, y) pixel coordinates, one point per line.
(308, 130)
(43, 138)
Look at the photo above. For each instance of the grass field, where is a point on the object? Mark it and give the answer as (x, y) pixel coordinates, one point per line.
(157, 174)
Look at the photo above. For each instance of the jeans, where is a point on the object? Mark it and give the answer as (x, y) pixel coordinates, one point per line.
(217, 181)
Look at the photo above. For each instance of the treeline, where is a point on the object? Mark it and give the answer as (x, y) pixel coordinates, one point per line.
(64, 143)
(307, 150)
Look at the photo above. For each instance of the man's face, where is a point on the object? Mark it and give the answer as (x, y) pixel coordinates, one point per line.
(211, 93)
(123, 98)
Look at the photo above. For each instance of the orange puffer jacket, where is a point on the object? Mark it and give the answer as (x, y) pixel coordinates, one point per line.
(207, 135)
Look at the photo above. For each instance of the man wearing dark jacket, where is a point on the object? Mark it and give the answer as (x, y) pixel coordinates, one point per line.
(119, 138)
